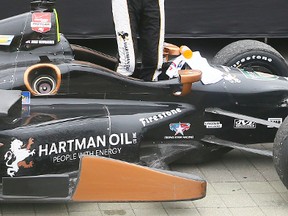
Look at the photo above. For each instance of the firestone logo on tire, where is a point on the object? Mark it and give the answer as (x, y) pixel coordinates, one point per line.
(251, 58)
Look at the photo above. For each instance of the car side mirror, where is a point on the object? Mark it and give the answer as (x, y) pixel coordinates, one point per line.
(187, 77)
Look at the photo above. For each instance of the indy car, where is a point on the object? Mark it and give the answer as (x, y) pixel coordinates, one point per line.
(73, 129)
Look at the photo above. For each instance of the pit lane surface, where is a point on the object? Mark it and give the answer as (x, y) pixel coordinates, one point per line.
(238, 184)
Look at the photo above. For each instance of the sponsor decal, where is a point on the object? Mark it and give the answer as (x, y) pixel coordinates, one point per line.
(16, 156)
(106, 145)
(25, 111)
(230, 77)
(124, 36)
(41, 42)
(213, 124)
(179, 129)
(244, 124)
(70, 150)
(63, 151)
(26, 97)
(254, 75)
(275, 120)
(157, 117)
(6, 40)
(41, 22)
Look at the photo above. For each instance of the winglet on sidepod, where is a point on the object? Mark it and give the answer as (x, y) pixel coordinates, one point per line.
(109, 180)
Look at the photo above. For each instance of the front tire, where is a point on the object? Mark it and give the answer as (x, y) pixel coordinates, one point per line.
(280, 152)
(252, 55)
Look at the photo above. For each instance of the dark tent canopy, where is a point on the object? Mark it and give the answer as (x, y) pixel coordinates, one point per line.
(184, 18)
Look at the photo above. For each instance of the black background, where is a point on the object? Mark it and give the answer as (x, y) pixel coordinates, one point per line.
(89, 19)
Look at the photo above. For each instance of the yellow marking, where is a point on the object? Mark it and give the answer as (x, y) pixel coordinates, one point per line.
(57, 25)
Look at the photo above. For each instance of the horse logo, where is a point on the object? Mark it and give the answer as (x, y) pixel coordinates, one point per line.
(15, 157)
(123, 35)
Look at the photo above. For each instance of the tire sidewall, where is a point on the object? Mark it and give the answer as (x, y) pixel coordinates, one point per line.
(244, 52)
(260, 58)
(280, 152)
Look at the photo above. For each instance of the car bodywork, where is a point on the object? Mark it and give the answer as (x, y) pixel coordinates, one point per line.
(64, 108)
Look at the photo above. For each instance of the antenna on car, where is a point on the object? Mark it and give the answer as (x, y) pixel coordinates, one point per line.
(42, 5)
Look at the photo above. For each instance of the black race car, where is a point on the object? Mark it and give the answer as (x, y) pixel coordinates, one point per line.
(72, 129)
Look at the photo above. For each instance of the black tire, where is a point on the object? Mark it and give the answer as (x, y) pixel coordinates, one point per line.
(280, 152)
(252, 55)
(203, 153)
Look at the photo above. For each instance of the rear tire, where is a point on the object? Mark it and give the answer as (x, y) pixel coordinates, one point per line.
(280, 152)
(252, 55)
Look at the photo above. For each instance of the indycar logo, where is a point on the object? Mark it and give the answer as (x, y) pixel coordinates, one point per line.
(244, 124)
(179, 128)
(41, 22)
(15, 157)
